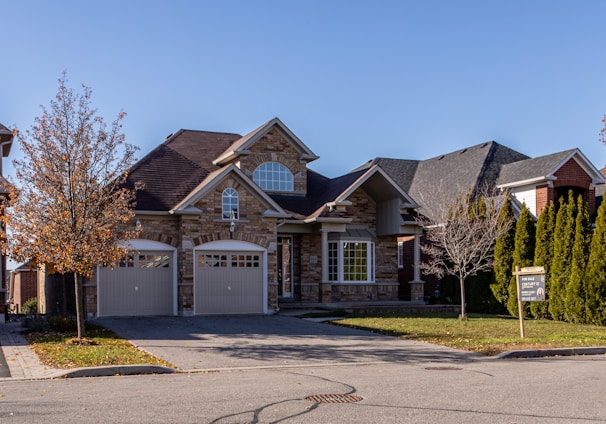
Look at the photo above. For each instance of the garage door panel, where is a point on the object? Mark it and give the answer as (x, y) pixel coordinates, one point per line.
(229, 283)
(137, 290)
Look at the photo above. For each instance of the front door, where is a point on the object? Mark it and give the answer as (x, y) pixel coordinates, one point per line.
(285, 255)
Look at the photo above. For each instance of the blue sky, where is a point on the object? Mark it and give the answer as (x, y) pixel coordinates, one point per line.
(353, 79)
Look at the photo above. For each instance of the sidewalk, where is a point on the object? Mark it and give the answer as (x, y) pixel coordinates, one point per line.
(22, 362)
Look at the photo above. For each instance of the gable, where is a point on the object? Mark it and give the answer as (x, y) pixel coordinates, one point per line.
(544, 168)
(572, 174)
(242, 146)
(229, 176)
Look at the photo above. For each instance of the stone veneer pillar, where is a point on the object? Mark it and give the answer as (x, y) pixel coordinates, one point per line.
(325, 285)
(417, 286)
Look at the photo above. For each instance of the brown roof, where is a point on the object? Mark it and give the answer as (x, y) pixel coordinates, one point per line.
(320, 190)
(176, 167)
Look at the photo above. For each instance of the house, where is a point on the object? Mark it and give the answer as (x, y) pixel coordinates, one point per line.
(537, 181)
(6, 141)
(23, 286)
(235, 224)
(489, 166)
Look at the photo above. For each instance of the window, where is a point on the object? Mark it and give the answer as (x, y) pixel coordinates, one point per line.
(229, 261)
(154, 261)
(273, 176)
(351, 261)
(230, 204)
(144, 260)
(333, 261)
(400, 254)
(127, 261)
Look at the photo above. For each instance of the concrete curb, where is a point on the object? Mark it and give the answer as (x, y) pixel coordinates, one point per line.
(112, 371)
(542, 353)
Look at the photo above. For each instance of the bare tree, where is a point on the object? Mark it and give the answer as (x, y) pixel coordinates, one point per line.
(460, 238)
(70, 208)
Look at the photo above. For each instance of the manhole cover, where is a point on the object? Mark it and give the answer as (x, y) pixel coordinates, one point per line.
(443, 368)
(333, 398)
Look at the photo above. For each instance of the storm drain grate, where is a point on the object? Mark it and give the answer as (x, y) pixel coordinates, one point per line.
(335, 398)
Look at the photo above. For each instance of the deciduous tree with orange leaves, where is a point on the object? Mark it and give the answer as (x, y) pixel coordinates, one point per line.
(68, 208)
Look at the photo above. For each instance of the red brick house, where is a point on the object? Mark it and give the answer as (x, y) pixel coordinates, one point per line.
(537, 181)
(237, 224)
(23, 286)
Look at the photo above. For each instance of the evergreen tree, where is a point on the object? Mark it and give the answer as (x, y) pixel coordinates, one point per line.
(523, 254)
(543, 255)
(575, 290)
(562, 257)
(595, 273)
(503, 256)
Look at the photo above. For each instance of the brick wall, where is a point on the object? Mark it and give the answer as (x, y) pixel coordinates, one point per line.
(363, 214)
(311, 259)
(186, 232)
(274, 147)
(25, 287)
(209, 226)
(572, 175)
(544, 194)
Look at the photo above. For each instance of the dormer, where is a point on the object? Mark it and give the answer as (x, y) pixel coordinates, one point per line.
(273, 157)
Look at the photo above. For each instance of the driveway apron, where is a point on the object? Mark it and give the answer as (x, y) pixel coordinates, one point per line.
(240, 341)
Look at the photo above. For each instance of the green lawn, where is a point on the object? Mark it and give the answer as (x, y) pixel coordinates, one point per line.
(58, 350)
(482, 333)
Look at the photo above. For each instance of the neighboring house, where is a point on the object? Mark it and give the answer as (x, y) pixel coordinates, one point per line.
(23, 286)
(6, 141)
(436, 182)
(538, 181)
(237, 224)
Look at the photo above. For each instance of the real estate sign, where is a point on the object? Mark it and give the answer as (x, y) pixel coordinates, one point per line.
(532, 287)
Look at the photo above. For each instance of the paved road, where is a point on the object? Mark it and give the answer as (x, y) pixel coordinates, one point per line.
(218, 342)
(570, 390)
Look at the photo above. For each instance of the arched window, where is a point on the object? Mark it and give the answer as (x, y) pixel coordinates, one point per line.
(231, 207)
(273, 176)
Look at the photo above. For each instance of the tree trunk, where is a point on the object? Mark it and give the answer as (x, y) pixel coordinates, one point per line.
(79, 293)
(463, 315)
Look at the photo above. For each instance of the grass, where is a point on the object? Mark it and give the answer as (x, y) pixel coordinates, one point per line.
(487, 334)
(102, 347)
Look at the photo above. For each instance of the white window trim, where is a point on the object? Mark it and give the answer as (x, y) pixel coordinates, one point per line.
(235, 196)
(261, 183)
(340, 262)
(400, 254)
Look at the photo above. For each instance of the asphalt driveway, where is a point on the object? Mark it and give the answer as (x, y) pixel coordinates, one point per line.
(220, 342)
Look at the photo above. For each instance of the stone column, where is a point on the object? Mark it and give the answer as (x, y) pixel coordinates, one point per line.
(325, 285)
(417, 286)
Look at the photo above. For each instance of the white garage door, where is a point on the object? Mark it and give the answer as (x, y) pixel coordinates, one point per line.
(229, 282)
(142, 284)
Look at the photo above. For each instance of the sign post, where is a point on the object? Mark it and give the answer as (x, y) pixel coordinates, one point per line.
(530, 282)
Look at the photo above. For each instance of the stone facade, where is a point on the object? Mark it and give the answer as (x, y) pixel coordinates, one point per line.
(196, 217)
(363, 213)
(274, 147)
